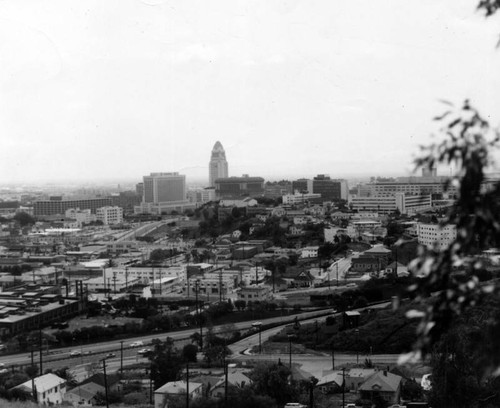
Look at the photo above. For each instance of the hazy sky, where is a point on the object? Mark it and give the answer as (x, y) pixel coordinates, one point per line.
(118, 89)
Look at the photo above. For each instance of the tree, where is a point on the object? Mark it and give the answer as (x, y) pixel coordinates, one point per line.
(273, 380)
(166, 362)
(24, 219)
(189, 352)
(476, 214)
(214, 348)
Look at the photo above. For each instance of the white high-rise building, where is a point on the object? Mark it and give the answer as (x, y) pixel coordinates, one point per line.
(217, 167)
(163, 192)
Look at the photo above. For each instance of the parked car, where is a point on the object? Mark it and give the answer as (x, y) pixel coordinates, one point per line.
(75, 353)
(144, 351)
(110, 355)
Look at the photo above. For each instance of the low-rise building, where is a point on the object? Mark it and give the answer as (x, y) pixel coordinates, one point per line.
(176, 389)
(383, 384)
(50, 389)
(437, 235)
(309, 252)
(254, 293)
(110, 215)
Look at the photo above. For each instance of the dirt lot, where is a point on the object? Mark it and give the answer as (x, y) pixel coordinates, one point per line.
(79, 322)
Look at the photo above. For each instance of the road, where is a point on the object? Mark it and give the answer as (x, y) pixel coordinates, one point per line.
(93, 354)
(97, 351)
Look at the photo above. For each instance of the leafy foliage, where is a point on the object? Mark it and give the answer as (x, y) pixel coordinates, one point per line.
(466, 146)
(166, 362)
(273, 380)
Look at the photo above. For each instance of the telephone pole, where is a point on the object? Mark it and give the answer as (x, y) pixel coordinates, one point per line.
(105, 383)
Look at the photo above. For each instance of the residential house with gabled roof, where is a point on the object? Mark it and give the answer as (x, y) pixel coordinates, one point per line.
(234, 377)
(298, 278)
(50, 388)
(176, 389)
(331, 382)
(355, 377)
(384, 384)
(83, 394)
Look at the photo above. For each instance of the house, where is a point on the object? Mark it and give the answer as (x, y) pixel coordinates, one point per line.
(355, 377)
(299, 279)
(176, 389)
(50, 388)
(384, 384)
(83, 394)
(309, 252)
(113, 381)
(331, 382)
(234, 377)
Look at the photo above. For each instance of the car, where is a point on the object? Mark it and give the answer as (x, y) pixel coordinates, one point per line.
(110, 355)
(257, 325)
(75, 353)
(144, 351)
(137, 344)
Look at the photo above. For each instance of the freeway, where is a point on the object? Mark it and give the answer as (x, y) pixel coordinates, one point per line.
(97, 351)
(94, 353)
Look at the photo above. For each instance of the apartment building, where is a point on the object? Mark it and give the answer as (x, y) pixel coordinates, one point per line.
(437, 235)
(110, 215)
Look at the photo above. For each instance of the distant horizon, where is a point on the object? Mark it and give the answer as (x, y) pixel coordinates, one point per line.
(109, 182)
(92, 91)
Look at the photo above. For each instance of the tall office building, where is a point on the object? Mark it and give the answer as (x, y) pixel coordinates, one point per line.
(217, 168)
(163, 193)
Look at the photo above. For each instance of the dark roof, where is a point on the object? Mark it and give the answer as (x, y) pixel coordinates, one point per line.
(239, 179)
(98, 378)
(9, 204)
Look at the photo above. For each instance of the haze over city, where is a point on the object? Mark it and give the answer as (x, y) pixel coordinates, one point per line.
(115, 90)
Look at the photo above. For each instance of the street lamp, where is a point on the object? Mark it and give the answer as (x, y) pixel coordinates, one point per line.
(259, 326)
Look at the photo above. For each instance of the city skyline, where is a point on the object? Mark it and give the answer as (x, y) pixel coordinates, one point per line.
(113, 91)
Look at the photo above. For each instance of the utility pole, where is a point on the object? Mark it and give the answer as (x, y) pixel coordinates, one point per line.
(333, 357)
(126, 279)
(311, 393)
(187, 384)
(105, 383)
(40, 346)
(317, 330)
(151, 383)
(114, 282)
(226, 369)
(198, 309)
(121, 357)
(357, 346)
(343, 386)
(220, 285)
(33, 387)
